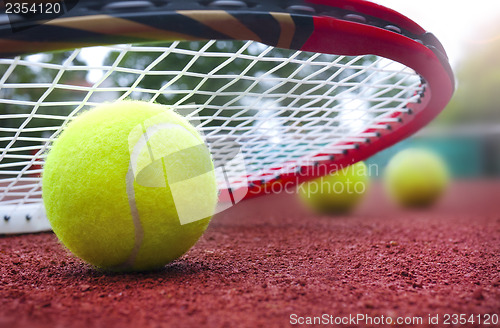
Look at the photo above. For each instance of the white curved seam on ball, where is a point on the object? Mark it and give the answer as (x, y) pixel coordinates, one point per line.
(130, 179)
(134, 212)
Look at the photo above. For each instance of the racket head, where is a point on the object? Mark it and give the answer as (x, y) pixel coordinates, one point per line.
(346, 27)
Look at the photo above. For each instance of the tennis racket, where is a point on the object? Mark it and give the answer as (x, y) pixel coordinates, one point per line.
(282, 91)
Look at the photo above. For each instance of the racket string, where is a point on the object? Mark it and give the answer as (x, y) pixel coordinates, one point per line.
(277, 108)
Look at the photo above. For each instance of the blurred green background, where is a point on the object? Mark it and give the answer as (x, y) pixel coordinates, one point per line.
(467, 133)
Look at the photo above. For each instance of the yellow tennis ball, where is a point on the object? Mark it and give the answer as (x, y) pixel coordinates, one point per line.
(129, 186)
(337, 193)
(416, 178)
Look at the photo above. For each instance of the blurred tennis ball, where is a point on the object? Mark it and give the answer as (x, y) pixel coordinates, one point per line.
(129, 186)
(416, 178)
(337, 193)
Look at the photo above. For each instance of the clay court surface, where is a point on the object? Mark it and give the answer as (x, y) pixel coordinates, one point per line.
(267, 259)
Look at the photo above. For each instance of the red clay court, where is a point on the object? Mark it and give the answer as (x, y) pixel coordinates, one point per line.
(268, 263)
(268, 92)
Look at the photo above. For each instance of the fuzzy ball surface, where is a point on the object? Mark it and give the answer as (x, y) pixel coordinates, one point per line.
(337, 193)
(416, 178)
(129, 186)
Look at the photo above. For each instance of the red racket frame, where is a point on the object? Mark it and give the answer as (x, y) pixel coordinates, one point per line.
(341, 37)
(340, 27)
